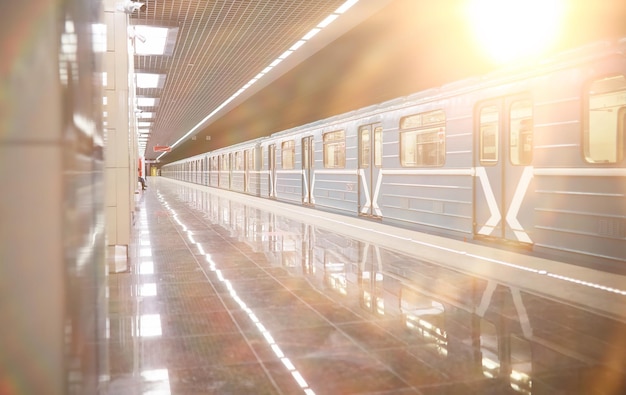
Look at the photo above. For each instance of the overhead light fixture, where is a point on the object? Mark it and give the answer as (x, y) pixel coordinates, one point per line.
(145, 115)
(146, 101)
(150, 80)
(329, 19)
(159, 40)
(311, 33)
(99, 37)
(346, 6)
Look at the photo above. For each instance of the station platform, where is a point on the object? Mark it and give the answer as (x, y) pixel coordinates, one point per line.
(231, 294)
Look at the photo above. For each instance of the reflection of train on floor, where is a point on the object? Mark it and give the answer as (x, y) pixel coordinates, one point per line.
(532, 156)
(485, 336)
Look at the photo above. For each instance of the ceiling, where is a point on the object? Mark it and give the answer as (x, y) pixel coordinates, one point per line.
(377, 50)
(220, 46)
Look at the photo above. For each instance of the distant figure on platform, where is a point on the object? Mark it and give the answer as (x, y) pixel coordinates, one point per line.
(144, 185)
(142, 180)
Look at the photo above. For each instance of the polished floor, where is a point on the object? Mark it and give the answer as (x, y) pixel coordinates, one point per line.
(223, 296)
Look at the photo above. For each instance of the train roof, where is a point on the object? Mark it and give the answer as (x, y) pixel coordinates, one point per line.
(523, 70)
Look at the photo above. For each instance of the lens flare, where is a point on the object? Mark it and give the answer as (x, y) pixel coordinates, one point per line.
(511, 30)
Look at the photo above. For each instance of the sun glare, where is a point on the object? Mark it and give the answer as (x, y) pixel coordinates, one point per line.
(511, 30)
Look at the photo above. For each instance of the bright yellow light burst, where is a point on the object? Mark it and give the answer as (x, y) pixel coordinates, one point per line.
(512, 30)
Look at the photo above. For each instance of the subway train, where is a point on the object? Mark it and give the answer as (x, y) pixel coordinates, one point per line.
(529, 157)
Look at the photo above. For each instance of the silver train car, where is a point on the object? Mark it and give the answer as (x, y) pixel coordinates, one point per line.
(531, 157)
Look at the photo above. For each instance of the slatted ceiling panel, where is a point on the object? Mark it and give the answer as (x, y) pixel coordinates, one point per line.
(221, 45)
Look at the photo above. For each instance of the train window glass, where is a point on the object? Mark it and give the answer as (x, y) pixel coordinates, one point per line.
(288, 154)
(364, 157)
(422, 139)
(603, 140)
(489, 131)
(335, 149)
(521, 130)
(378, 146)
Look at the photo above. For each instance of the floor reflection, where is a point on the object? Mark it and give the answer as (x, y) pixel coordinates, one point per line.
(228, 289)
(496, 331)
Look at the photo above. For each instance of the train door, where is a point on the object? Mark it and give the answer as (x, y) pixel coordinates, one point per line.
(224, 171)
(503, 158)
(271, 153)
(214, 173)
(231, 166)
(218, 168)
(246, 170)
(220, 176)
(198, 171)
(307, 170)
(201, 173)
(370, 165)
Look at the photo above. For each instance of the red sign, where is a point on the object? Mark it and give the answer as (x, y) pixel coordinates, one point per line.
(162, 148)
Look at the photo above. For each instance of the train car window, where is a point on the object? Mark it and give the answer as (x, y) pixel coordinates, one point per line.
(224, 162)
(489, 132)
(288, 150)
(364, 157)
(521, 133)
(423, 139)
(335, 149)
(378, 146)
(603, 139)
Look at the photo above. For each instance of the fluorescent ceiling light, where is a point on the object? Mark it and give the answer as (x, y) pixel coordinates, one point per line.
(99, 37)
(146, 101)
(145, 115)
(154, 40)
(328, 20)
(345, 6)
(285, 54)
(297, 45)
(144, 124)
(149, 80)
(311, 33)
